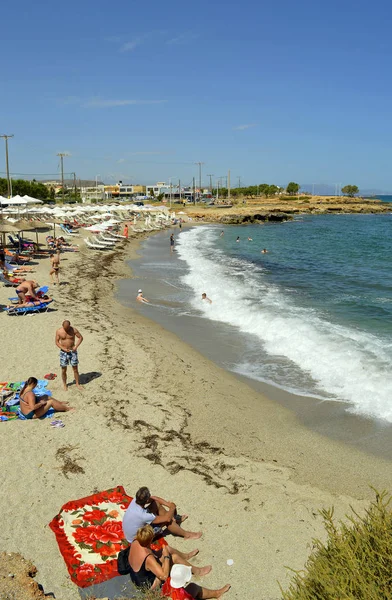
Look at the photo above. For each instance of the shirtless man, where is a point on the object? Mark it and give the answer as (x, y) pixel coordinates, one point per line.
(66, 340)
(26, 288)
(204, 297)
(141, 298)
(55, 262)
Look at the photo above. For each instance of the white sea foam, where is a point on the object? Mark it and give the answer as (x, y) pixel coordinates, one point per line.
(347, 364)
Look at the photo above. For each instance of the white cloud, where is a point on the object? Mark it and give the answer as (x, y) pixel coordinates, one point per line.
(102, 103)
(242, 127)
(182, 38)
(131, 45)
(121, 160)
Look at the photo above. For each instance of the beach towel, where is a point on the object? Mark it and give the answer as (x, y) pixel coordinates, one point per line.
(89, 535)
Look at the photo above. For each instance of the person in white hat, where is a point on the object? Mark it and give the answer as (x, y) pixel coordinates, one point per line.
(149, 569)
(180, 578)
(140, 297)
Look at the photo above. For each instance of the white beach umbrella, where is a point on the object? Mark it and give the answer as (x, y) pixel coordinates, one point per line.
(31, 200)
(15, 201)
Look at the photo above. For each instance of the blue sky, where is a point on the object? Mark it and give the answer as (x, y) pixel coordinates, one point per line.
(140, 91)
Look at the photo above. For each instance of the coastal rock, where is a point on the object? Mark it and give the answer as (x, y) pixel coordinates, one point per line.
(16, 578)
(239, 219)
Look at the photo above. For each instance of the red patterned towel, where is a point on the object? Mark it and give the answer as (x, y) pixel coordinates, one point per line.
(90, 535)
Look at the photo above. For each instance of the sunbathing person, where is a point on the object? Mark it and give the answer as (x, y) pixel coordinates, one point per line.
(33, 409)
(149, 568)
(29, 303)
(11, 278)
(150, 510)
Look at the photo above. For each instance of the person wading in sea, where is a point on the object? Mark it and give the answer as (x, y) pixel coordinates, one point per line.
(172, 242)
(66, 338)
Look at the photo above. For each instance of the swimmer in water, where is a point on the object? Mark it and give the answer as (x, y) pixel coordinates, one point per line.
(204, 297)
(238, 239)
(250, 239)
(264, 251)
(222, 233)
(141, 298)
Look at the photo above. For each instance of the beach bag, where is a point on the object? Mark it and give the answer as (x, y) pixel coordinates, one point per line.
(123, 566)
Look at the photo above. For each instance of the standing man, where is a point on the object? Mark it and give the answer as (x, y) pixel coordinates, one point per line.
(172, 242)
(68, 339)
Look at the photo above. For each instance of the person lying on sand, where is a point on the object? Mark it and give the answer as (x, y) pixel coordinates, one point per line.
(146, 509)
(26, 290)
(31, 409)
(141, 298)
(204, 297)
(149, 569)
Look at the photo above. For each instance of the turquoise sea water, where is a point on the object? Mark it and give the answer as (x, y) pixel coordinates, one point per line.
(314, 315)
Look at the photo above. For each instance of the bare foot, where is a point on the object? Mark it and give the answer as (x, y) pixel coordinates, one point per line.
(191, 554)
(65, 387)
(67, 408)
(223, 590)
(80, 387)
(190, 535)
(201, 571)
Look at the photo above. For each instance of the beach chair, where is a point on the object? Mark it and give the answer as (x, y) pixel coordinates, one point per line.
(65, 229)
(41, 291)
(6, 282)
(96, 246)
(28, 310)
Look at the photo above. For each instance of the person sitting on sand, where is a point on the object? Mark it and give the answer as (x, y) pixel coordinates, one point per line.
(55, 262)
(26, 291)
(204, 297)
(178, 585)
(141, 298)
(150, 510)
(33, 409)
(149, 568)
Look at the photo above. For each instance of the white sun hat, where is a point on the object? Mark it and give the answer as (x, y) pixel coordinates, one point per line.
(180, 575)
(139, 291)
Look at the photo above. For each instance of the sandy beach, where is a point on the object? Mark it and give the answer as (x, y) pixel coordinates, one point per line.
(155, 412)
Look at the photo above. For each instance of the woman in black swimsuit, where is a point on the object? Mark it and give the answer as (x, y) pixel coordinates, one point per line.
(149, 569)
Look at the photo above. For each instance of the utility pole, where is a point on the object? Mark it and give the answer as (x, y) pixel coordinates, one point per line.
(194, 192)
(74, 186)
(7, 167)
(200, 165)
(211, 176)
(61, 155)
(179, 188)
(239, 181)
(228, 184)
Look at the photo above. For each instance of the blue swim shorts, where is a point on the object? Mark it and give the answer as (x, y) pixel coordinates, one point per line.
(69, 358)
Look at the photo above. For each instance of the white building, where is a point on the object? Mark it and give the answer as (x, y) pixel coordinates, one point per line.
(94, 193)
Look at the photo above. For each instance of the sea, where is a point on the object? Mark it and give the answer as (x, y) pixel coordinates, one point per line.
(312, 316)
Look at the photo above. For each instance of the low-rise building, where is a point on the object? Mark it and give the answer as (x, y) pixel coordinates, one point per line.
(94, 193)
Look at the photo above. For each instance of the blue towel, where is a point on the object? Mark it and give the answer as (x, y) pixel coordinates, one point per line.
(47, 415)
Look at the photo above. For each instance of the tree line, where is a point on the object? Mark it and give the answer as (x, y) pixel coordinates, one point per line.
(22, 187)
(268, 191)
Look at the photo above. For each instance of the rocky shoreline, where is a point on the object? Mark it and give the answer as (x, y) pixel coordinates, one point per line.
(283, 210)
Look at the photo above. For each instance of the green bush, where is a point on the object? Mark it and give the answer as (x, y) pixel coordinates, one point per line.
(356, 561)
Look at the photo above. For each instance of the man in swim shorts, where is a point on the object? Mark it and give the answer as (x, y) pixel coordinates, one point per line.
(26, 291)
(68, 339)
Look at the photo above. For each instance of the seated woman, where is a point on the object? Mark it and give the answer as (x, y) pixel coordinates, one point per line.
(31, 409)
(149, 568)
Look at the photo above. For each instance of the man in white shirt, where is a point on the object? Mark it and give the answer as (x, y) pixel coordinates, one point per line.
(150, 510)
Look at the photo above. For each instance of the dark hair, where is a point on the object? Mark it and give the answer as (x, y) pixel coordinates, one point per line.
(142, 496)
(29, 381)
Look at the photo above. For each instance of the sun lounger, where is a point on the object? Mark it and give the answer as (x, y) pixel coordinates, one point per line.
(97, 246)
(28, 310)
(41, 291)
